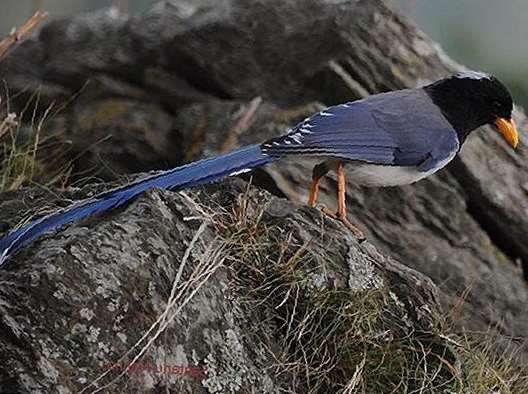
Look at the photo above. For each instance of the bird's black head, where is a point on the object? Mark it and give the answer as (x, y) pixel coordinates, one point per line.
(472, 99)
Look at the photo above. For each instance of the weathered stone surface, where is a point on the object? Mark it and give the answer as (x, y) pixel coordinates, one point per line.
(75, 302)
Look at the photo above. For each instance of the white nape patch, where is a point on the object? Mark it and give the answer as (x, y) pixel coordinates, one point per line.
(473, 75)
(242, 171)
(366, 174)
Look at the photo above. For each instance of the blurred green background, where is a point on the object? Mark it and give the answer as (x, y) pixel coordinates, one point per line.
(488, 35)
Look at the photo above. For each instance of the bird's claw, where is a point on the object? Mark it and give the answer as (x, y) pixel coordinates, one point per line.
(349, 225)
(354, 229)
(327, 211)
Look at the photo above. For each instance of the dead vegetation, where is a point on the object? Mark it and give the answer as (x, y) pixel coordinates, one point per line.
(30, 155)
(338, 340)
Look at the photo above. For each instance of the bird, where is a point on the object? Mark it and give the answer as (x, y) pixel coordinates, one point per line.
(386, 139)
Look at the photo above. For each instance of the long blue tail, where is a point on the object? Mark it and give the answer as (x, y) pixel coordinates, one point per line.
(192, 174)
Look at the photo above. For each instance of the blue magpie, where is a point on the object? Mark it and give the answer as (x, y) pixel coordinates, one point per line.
(387, 139)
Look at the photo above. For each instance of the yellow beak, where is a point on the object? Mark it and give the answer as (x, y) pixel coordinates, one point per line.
(508, 130)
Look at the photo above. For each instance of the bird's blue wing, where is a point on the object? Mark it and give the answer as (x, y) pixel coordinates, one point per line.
(445, 149)
(403, 128)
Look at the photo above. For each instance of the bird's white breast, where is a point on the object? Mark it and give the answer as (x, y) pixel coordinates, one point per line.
(366, 174)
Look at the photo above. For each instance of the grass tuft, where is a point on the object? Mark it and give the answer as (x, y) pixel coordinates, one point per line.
(490, 366)
(30, 155)
(337, 340)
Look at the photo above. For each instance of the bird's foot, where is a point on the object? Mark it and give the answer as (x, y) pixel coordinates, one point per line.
(348, 224)
(354, 229)
(327, 211)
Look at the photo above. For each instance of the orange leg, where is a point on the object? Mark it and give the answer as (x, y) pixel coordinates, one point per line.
(341, 205)
(313, 190)
(319, 171)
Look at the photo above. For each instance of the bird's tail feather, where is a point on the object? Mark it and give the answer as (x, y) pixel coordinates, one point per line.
(192, 174)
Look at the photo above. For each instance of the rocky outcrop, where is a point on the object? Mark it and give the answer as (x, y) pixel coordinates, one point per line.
(218, 279)
(173, 84)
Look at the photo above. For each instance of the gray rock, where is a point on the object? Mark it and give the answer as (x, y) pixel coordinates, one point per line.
(73, 303)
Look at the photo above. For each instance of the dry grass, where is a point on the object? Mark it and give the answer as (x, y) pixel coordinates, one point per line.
(30, 156)
(490, 365)
(331, 340)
